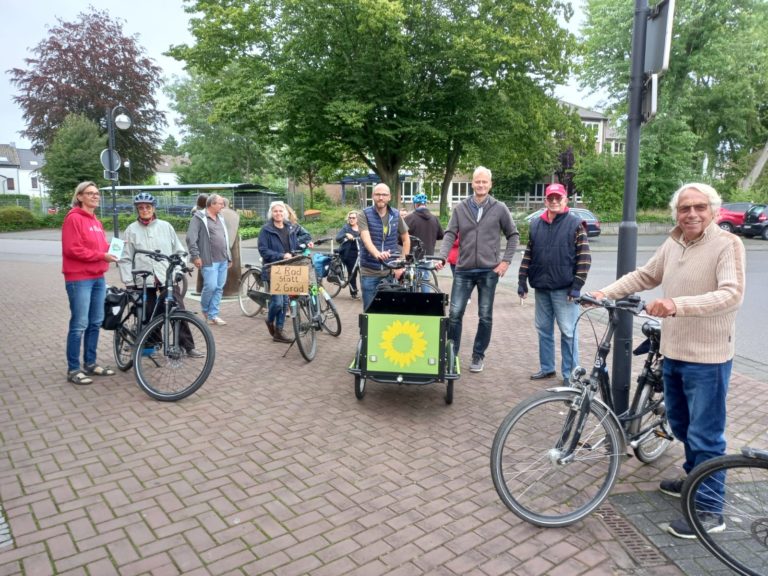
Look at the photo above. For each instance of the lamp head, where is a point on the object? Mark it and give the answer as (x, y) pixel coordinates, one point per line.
(123, 121)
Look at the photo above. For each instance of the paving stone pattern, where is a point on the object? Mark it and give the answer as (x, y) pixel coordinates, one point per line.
(274, 467)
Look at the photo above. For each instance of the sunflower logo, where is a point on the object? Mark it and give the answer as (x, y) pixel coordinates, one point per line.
(403, 343)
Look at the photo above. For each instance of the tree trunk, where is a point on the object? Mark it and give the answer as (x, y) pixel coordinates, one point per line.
(388, 169)
(757, 169)
(451, 162)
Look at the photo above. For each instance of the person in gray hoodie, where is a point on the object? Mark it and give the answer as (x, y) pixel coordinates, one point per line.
(208, 244)
(479, 221)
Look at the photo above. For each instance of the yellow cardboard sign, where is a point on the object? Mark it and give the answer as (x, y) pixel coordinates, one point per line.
(289, 280)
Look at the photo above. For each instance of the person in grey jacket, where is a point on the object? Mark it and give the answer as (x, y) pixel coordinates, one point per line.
(478, 220)
(209, 250)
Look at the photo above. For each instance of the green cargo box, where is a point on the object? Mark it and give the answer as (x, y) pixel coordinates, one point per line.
(403, 340)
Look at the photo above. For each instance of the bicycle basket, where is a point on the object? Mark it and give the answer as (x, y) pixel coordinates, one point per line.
(322, 264)
(114, 306)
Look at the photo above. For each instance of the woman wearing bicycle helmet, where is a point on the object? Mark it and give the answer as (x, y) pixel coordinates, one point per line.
(85, 259)
(148, 232)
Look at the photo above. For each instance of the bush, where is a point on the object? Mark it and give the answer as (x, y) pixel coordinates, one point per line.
(17, 218)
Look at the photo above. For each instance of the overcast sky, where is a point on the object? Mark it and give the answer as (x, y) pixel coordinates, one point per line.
(157, 23)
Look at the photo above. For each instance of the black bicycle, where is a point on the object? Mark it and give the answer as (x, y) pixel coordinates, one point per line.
(413, 278)
(557, 454)
(734, 487)
(173, 352)
(253, 294)
(336, 277)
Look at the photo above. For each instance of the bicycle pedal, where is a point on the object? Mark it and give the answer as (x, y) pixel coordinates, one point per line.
(663, 434)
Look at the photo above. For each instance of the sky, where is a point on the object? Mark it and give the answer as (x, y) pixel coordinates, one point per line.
(158, 24)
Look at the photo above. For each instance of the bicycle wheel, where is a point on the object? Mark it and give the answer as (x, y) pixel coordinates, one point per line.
(251, 282)
(737, 486)
(526, 464)
(123, 339)
(654, 445)
(339, 274)
(330, 320)
(421, 284)
(303, 328)
(170, 373)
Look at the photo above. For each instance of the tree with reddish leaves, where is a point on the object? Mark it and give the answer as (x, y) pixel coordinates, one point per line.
(87, 67)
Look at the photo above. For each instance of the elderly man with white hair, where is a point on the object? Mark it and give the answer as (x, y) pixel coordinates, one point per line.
(701, 270)
(208, 244)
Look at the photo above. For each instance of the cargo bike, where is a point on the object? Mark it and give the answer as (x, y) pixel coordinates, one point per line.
(403, 335)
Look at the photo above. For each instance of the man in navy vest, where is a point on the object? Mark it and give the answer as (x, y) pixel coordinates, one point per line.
(556, 263)
(380, 228)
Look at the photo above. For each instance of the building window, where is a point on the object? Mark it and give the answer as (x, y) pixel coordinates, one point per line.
(618, 147)
(34, 183)
(460, 191)
(11, 185)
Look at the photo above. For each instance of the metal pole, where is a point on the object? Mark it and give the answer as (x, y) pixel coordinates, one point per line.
(627, 251)
(112, 169)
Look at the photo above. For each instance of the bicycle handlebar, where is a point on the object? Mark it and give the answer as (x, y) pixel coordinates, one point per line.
(426, 263)
(633, 304)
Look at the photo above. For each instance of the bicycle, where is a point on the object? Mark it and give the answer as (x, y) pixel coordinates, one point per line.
(557, 454)
(412, 280)
(253, 293)
(338, 278)
(736, 487)
(313, 311)
(155, 343)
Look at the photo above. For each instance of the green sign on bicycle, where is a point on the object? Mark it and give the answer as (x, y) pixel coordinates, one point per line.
(404, 344)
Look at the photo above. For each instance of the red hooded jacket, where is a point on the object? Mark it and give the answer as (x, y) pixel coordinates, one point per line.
(83, 245)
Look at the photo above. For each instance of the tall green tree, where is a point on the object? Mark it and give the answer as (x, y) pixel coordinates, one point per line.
(716, 82)
(87, 67)
(217, 151)
(386, 82)
(72, 157)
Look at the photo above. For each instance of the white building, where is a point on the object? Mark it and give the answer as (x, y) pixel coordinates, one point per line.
(20, 171)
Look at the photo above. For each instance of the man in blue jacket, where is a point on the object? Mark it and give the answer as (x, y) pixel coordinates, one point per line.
(479, 221)
(556, 263)
(380, 227)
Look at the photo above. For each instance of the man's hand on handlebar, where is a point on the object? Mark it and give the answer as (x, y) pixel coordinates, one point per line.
(661, 308)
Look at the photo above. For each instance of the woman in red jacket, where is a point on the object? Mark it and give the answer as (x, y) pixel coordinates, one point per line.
(85, 259)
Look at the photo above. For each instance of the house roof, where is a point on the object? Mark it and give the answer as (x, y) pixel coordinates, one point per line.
(29, 160)
(585, 113)
(8, 155)
(169, 164)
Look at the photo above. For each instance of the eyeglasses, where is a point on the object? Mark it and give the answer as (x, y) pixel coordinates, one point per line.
(352, 217)
(554, 199)
(90, 194)
(145, 207)
(692, 207)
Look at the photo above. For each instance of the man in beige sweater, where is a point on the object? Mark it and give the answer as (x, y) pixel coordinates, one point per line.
(701, 271)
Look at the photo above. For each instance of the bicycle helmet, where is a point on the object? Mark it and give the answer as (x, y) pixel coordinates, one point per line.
(420, 199)
(144, 198)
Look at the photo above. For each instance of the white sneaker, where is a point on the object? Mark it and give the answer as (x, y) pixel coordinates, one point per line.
(218, 321)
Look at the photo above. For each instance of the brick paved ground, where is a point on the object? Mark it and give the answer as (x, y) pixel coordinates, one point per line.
(274, 467)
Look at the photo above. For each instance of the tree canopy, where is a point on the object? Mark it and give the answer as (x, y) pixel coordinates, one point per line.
(713, 101)
(386, 82)
(72, 157)
(87, 67)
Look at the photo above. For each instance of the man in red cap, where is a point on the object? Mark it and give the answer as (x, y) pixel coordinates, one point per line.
(556, 263)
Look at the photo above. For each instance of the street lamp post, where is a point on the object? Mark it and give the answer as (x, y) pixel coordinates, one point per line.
(127, 164)
(111, 161)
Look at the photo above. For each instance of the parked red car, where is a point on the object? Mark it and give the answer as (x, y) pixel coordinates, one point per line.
(731, 217)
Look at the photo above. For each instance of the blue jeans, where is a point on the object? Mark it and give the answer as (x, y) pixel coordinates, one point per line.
(214, 277)
(553, 305)
(86, 304)
(369, 284)
(694, 395)
(276, 310)
(463, 283)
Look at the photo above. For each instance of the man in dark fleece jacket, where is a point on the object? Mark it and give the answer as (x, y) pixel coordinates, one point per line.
(480, 220)
(425, 226)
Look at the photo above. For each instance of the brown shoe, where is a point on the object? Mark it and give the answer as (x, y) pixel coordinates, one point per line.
(270, 327)
(281, 336)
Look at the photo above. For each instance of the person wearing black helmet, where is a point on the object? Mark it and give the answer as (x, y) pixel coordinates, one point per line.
(150, 233)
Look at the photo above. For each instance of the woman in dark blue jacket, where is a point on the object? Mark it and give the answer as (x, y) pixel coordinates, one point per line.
(277, 240)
